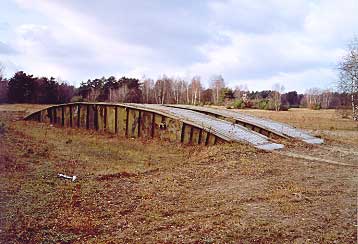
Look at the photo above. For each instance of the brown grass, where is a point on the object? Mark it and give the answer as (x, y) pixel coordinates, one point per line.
(324, 119)
(137, 191)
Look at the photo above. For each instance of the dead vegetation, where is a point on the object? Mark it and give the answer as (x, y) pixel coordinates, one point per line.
(133, 191)
(324, 119)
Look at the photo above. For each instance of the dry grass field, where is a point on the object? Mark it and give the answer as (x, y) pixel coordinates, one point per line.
(324, 119)
(140, 191)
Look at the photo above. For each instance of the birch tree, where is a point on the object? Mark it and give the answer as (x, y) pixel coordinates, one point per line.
(276, 95)
(348, 75)
(217, 84)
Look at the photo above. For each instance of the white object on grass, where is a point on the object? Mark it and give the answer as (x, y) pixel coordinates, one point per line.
(73, 178)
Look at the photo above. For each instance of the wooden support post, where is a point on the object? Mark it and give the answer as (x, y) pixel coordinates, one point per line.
(105, 117)
(182, 133)
(78, 116)
(116, 119)
(88, 117)
(50, 114)
(207, 138)
(215, 140)
(152, 126)
(127, 120)
(139, 121)
(63, 115)
(191, 134)
(96, 117)
(55, 115)
(71, 115)
(200, 135)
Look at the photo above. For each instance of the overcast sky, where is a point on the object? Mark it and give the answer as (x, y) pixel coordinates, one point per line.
(252, 42)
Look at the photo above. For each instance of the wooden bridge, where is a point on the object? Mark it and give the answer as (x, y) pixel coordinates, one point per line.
(152, 121)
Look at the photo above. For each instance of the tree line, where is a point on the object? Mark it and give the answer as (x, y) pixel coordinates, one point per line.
(25, 88)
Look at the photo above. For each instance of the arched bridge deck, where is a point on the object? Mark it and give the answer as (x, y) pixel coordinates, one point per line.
(264, 126)
(151, 121)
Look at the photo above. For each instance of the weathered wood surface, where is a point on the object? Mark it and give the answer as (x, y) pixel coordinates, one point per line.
(150, 121)
(266, 127)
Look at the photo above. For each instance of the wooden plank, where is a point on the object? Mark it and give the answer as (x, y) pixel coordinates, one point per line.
(212, 139)
(191, 134)
(63, 115)
(127, 120)
(88, 117)
(187, 131)
(110, 119)
(101, 117)
(182, 137)
(195, 135)
(50, 114)
(172, 130)
(132, 128)
(122, 121)
(79, 116)
(139, 122)
(83, 117)
(71, 115)
(105, 117)
(116, 119)
(153, 125)
(66, 115)
(96, 117)
(58, 115)
(207, 138)
(200, 135)
(145, 129)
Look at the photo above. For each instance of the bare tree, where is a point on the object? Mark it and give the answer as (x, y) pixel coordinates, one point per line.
(217, 83)
(178, 90)
(313, 97)
(148, 85)
(326, 98)
(163, 90)
(348, 75)
(240, 90)
(195, 89)
(278, 89)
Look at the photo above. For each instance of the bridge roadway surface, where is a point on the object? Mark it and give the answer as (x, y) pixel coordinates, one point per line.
(229, 131)
(277, 128)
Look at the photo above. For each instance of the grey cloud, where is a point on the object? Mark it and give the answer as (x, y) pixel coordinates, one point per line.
(48, 46)
(172, 29)
(258, 17)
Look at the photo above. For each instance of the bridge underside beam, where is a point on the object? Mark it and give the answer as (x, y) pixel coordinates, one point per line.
(124, 121)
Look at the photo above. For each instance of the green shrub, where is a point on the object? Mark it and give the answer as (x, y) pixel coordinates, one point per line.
(262, 104)
(238, 104)
(270, 105)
